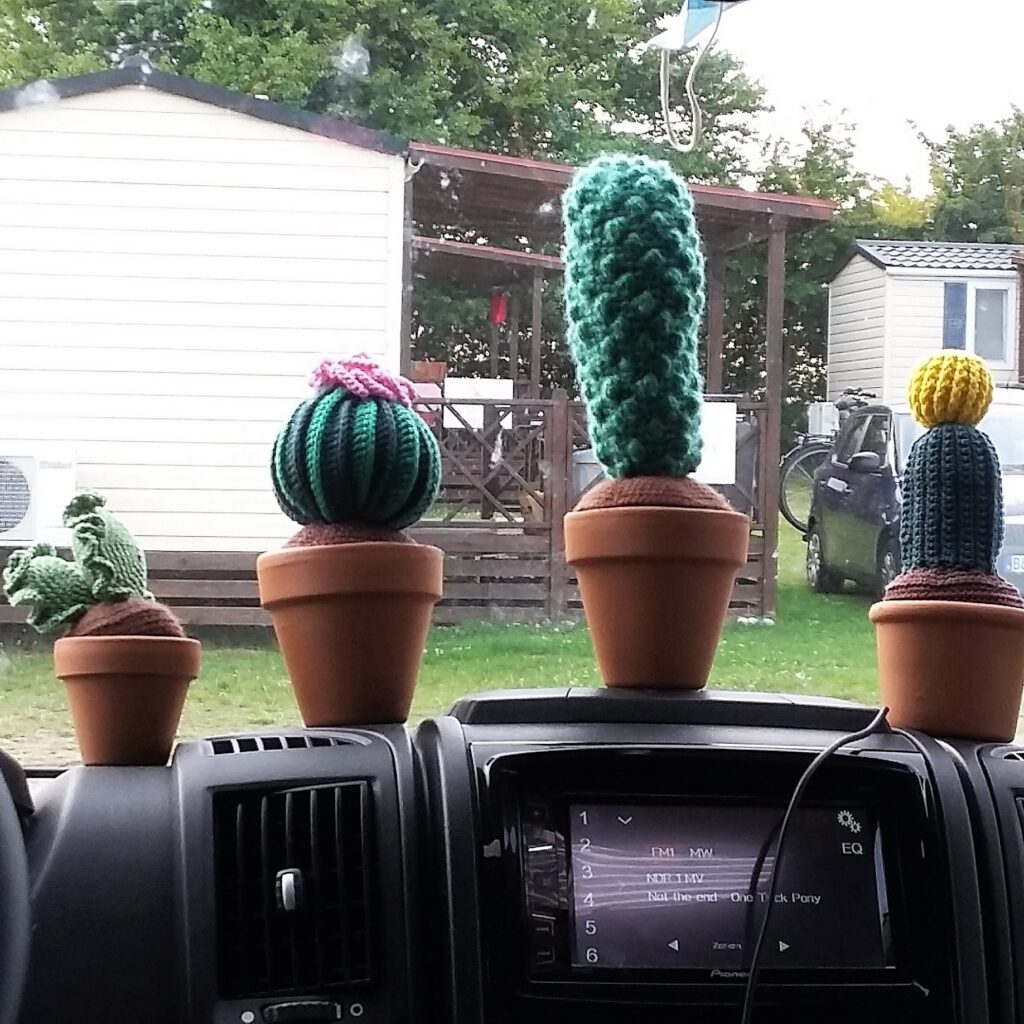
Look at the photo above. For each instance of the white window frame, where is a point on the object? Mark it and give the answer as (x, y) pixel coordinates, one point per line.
(973, 285)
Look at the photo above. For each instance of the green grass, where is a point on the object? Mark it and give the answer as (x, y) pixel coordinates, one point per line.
(819, 645)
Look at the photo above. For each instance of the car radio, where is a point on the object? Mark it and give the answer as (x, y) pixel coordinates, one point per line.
(613, 887)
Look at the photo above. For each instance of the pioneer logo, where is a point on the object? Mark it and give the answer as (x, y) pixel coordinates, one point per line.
(729, 974)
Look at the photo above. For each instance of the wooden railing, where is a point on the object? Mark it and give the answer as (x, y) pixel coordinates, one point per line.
(508, 480)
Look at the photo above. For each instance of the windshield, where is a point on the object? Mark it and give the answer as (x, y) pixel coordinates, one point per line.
(1004, 426)
(202, 201)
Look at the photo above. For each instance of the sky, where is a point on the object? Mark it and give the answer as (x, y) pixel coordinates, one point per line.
(886, 62)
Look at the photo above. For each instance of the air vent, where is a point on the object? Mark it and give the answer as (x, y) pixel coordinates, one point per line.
(291, 878)
(251, 744)
(1009, 753)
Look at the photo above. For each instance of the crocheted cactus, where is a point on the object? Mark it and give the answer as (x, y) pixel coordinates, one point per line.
(952, 519)
(104, 584)
(635, 304)
(356, 452)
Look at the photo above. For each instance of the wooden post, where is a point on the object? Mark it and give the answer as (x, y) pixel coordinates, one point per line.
(537, 329)
(558, 454)
(513, 341)
(774, 385)
(405, 342)
(495, 344)
(716, 320)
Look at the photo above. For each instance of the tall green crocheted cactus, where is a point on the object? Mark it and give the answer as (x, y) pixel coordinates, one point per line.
(635, 304)
(356, 452)
(952, 514)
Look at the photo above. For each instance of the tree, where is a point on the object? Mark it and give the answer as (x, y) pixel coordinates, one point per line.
(978, 181)
(558, 78)
(821, 165)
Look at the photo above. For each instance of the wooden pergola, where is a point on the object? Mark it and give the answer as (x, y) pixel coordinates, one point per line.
(494, 196)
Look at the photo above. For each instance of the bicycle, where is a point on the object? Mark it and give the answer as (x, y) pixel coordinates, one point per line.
(802, 461)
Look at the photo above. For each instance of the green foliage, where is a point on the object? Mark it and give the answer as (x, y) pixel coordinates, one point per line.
(635, 303)
(978, 181)
(345, 459)
(821, 164)
(952, 501)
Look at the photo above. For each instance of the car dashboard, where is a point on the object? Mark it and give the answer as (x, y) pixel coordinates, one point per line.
(534, 856)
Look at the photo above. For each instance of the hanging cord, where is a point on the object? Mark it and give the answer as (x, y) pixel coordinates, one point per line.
(774, 875)
(691, 95)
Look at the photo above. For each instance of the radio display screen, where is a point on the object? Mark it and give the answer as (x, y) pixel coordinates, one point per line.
(685, 887)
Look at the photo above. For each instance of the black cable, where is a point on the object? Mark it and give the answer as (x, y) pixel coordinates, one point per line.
(774, 874)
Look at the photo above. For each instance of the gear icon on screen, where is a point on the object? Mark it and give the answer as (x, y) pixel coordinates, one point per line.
(847, 820)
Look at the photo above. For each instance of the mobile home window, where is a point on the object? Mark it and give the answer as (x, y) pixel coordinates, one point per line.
(976, 318)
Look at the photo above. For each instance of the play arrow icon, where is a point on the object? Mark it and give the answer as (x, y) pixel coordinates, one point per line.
(624, 821)
(783, 946)
(674, 944)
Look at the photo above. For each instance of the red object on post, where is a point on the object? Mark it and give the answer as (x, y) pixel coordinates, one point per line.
(499, 308)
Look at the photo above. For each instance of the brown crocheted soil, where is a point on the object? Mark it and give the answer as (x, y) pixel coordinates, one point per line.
(953, 585)
(322, 534)
(656, 491)
(133, 617)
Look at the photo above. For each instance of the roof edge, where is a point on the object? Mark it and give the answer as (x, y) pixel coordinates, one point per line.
(218, 96)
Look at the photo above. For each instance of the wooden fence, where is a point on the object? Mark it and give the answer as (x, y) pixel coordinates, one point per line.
(508, 481)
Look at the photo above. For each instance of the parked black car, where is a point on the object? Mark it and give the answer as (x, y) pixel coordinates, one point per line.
(854, 525)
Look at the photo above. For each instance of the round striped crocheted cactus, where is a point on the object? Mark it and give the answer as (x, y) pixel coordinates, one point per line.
(952, 518)
(356, 452)
(635, 304)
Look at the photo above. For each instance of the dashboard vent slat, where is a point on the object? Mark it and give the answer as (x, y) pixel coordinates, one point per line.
(253, 744)
(318, 939)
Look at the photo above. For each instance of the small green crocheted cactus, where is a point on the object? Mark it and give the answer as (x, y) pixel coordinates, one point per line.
(356, 452)
(635, 304)
(951, 528)
(102, 590)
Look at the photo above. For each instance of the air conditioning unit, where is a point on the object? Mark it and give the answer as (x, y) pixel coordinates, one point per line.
(35, 487)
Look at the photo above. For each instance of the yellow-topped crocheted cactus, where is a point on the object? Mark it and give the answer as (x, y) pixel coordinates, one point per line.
(950, 388)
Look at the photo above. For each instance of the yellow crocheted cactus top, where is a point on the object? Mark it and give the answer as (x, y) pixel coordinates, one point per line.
(950, 388)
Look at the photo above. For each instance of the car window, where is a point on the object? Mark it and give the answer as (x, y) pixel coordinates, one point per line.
(877, 435)
(850, 439)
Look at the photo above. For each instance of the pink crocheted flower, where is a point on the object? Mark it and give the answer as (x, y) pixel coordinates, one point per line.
(364, 378)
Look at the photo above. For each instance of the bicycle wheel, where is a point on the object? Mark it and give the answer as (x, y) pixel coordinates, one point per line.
(796, 482)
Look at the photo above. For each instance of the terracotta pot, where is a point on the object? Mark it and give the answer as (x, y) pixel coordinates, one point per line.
(351, 621)
(951, 668)
(126, 694)
(656, 585)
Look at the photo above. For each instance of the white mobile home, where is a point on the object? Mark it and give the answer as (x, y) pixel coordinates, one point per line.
(174, 260)
(893, 303)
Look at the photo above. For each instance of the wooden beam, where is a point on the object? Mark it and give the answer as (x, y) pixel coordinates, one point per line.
(774, 386)
(537, 330)
(556, 488)
(513, 340)
(716, 320)
(495, 346)
(508, 257)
